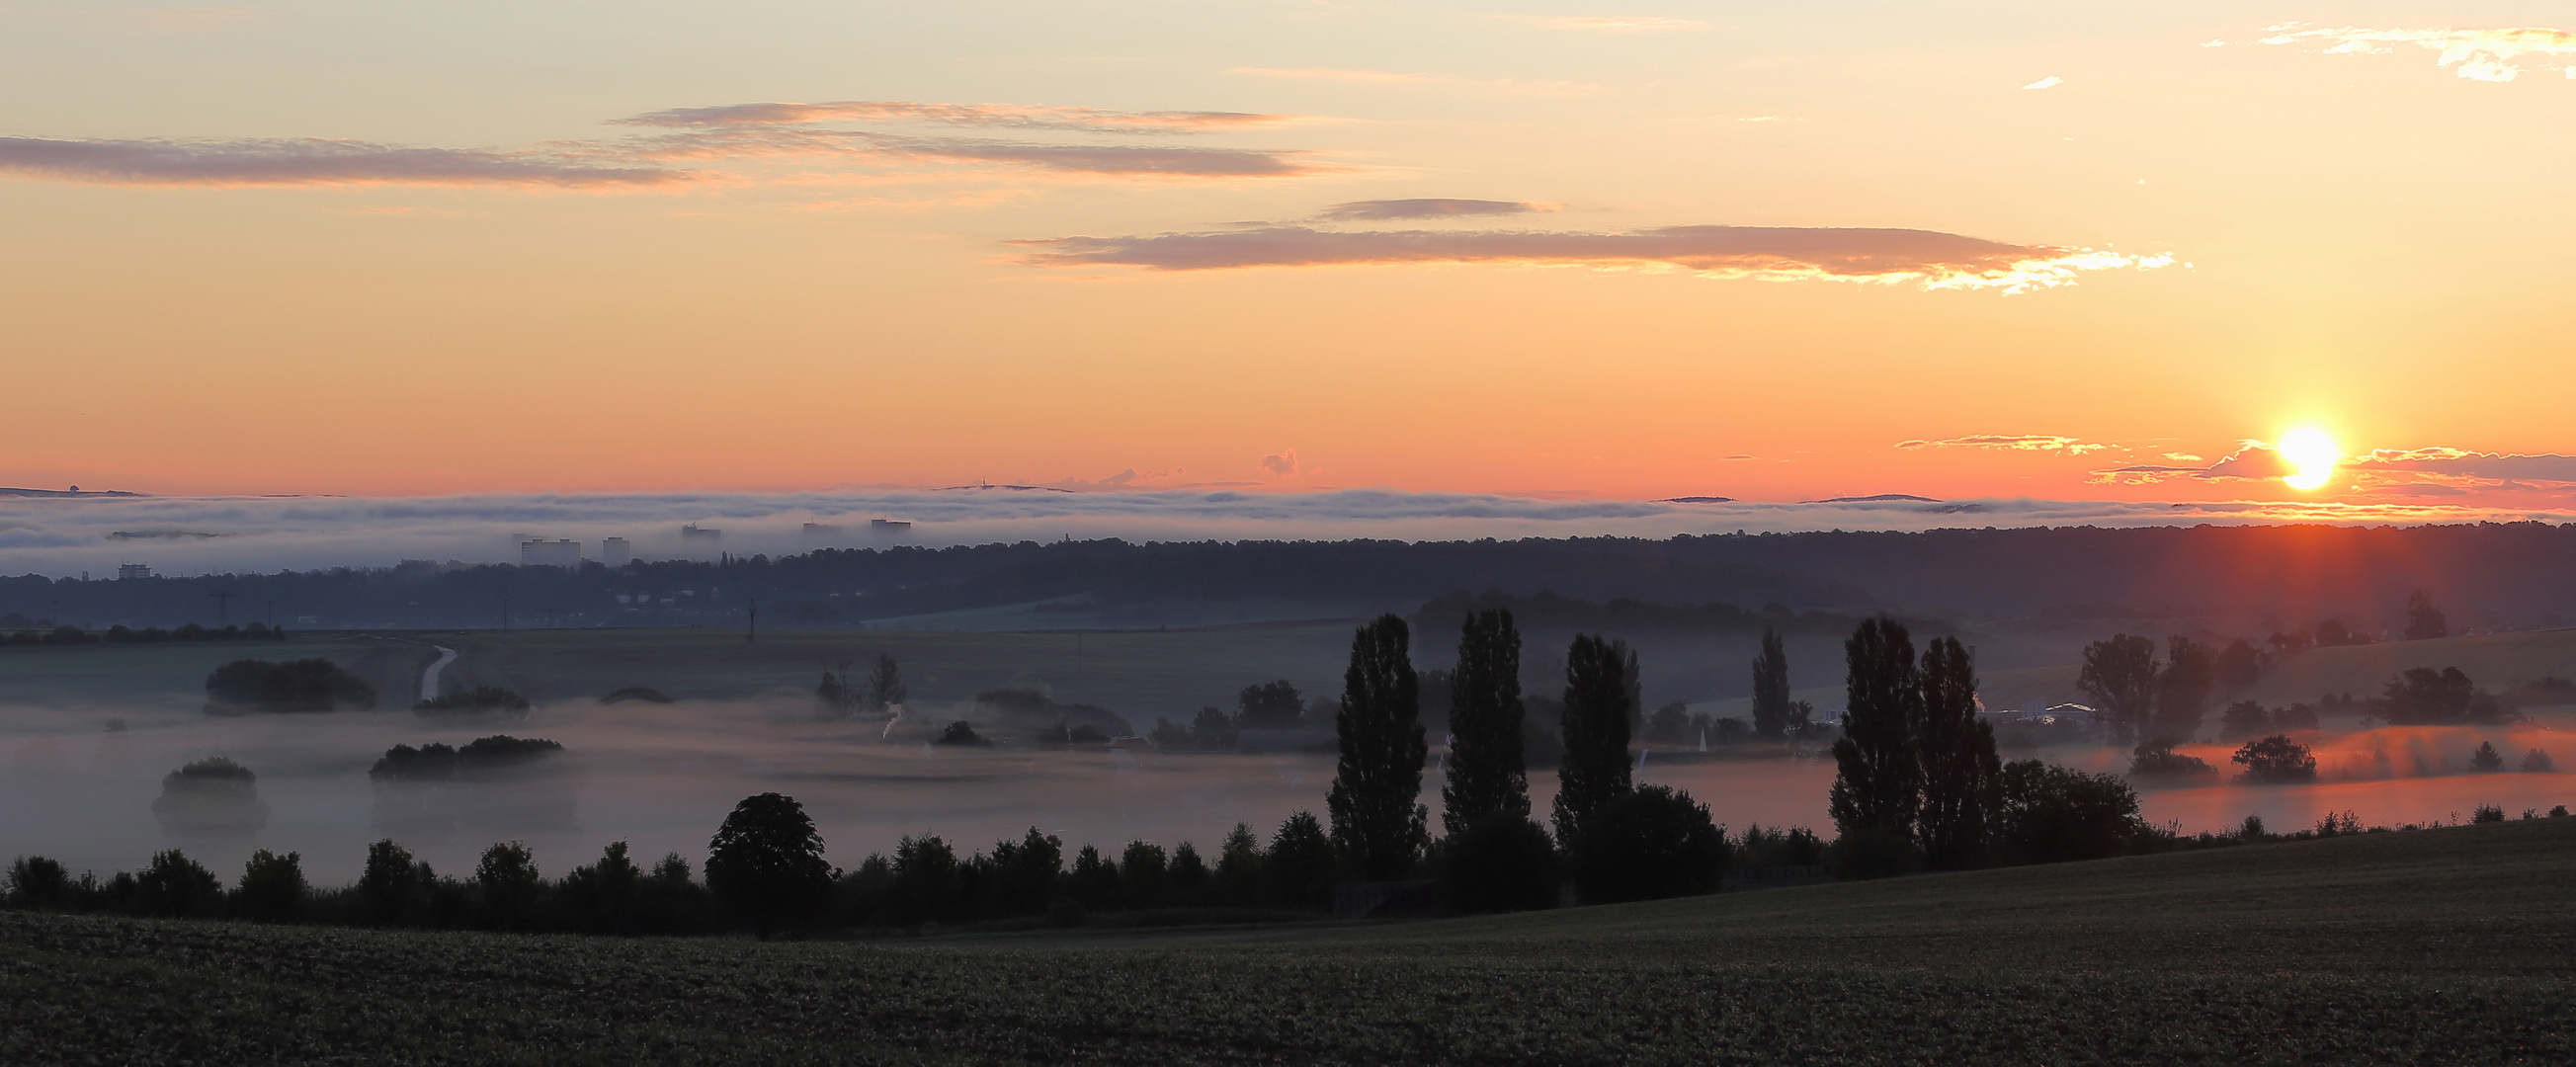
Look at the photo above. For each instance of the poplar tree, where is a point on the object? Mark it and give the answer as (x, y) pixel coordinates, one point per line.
(1377, 821)
(2120, 675)
(1877, 781)
(1957, 751)
(1595, 769)
(1487, 774)
(1770, 687)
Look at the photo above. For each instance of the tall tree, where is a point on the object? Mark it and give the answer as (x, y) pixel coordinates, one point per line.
(765, 865)
(1771, 687)
(1957, 751)
(2424, 621)
(1487, 774)
(885, 685)
(2182, 691)
(1594, 771)
(1377, 820)
(2120, 675)
(1269, 706)
(1877, 781)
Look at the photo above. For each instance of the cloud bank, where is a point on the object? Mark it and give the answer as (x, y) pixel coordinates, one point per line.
(2011, 442)
(1010, 116)
(68, 536)
(1428, 208)
(1926, 258)
(313, 161)
(2478, 55)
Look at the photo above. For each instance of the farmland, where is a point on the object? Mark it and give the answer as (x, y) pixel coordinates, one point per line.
(2450, 945)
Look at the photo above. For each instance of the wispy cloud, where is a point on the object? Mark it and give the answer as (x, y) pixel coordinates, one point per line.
(1429, 208)
(2252, 461)
(1613, 23)
(2012, 443)
(1008, 116)
(2494, 467)
(2050, 82)
(314, 161)
(1931, 260)
(2478, 55)
(754, 142)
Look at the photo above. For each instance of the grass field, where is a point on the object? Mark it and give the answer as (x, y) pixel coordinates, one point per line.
(2436, 946)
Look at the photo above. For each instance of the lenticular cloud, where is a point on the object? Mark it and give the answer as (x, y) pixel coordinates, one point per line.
(1922, 257)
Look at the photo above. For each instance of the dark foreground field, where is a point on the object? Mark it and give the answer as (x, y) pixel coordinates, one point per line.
(2436, 946)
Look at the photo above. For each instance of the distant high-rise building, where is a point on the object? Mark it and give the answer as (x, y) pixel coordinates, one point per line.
(694, 532)
(889, 526)
(133, 570)
(563, 553)
(615, 552)
(822, 529)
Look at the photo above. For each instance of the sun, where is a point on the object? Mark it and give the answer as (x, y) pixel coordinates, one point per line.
(2312, 454)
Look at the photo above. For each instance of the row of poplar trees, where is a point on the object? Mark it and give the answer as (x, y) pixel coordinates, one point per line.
(1378, 823)
(1915, 767)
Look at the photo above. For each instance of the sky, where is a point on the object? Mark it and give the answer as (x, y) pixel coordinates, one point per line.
(2106, 253)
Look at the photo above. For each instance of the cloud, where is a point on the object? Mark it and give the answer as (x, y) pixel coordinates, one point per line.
(1010, 116)
(2050, 82)
(1433, 208)
(314, 161)
(1282, 464)
(2460, 463)
(2012, 443)
(1931, 260)
(1391, 77)
(2252, 461)
(1614, 23)
(2477, 55)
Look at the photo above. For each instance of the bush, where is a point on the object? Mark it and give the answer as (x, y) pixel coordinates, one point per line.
(1873, 853)
(2051, 814)
(2487, 813)
(294, 686)
(37, 882)
(2156, 763)
(1504, 862)
(272, 887)
(435, 762)
(211, 795)
(961, 732)
(1648, 843)
(2277, 760)
(765, 865)
(1795, 847)
(174, 885)
(480, 699)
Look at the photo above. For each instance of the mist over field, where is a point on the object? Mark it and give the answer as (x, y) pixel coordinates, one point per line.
(661, 777)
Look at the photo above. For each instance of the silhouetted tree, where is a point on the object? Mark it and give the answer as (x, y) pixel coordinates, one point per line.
(1269, 706)
(38, 882)
(2537, 761)
(1094, 880)
(2120, 675)
(1487, 774)
(1503, 863)
(2052, 814)
(1595, 768)
(2276, 760)
(885, 685)
(607, 895)
(1238, 867)
(392, 885)
(2238, 665)
(1186, 880)
(1299, 865)
(765, 865)
(297, 685)
(2486, 759)
(508, 878)
(1027, 871)
(1771, 687)
(1878, 777)
(2423, 695)
(2243, 719)
(2154, 762)
(272, 887)
(1645, 844)
(1378, 820)
(926, 881)
(2424, 621)
(174, 885)
(2182, 690)
(1957, 751)
(1142, 869)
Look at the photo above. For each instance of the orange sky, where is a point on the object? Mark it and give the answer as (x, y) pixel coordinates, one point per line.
(479, 282)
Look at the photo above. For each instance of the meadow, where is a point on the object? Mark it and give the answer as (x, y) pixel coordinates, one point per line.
(2454, 945)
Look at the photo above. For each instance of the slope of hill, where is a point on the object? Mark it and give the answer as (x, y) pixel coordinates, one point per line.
(2450, 946)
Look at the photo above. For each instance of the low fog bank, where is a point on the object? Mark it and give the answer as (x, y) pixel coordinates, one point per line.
(663, 776)
(61, 537)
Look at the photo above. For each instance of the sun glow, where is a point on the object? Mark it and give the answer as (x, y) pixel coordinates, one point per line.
(2312, 453)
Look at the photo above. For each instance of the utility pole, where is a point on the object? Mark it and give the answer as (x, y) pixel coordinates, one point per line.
(223, 605)
(752, 635)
